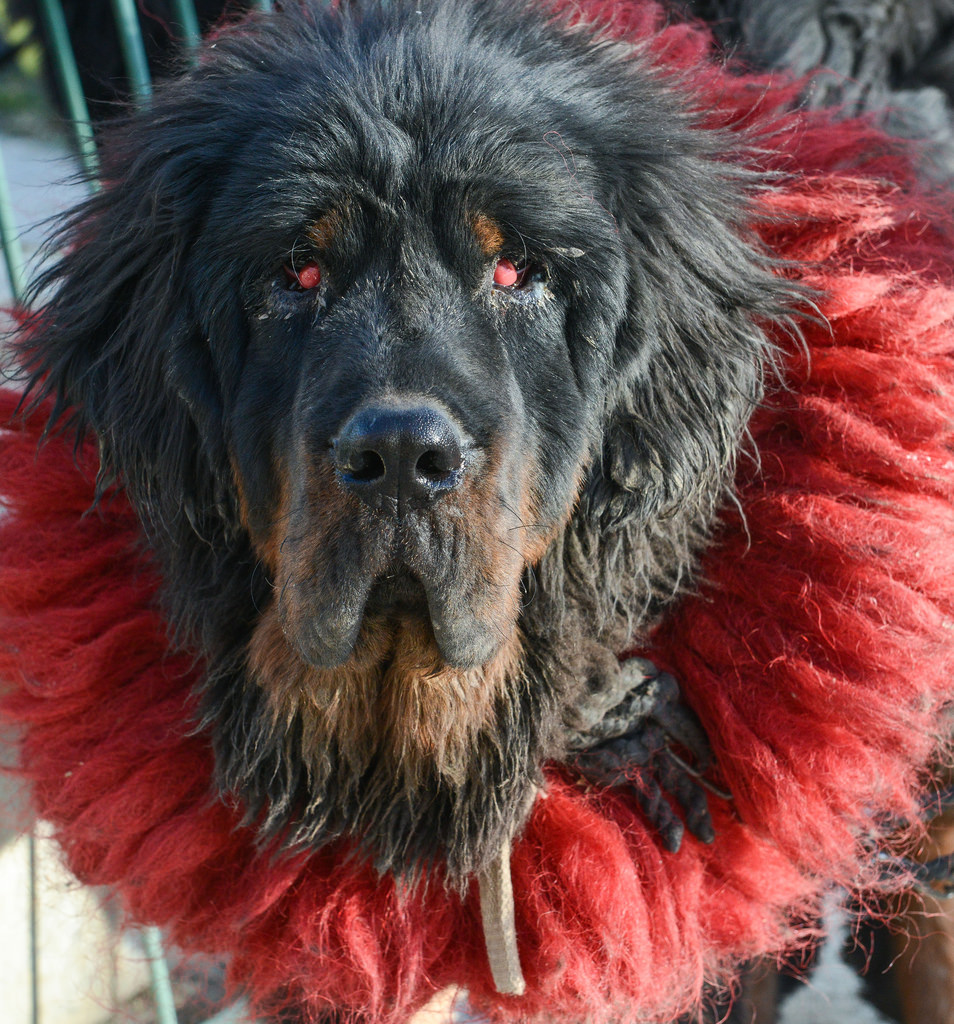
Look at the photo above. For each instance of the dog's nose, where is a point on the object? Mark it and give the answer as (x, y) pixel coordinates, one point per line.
(390, 457)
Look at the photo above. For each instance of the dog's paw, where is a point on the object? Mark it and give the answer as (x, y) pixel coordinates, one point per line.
(630, 745)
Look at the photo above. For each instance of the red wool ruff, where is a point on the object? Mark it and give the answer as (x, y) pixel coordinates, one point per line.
(818, 656)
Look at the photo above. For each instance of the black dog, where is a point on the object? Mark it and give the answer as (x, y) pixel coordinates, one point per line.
(423, 339)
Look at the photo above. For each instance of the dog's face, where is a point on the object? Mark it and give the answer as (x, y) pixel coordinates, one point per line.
(413, 328)
(374, 308)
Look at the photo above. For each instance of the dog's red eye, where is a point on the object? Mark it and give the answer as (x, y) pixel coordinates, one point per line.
(306, 277)
(507, 275)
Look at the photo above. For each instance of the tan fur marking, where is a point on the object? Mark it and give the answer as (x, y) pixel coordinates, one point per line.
(489, 236)
(536, 540)
(240, 493)
(393, 698)
(266, 543)
(326, 229)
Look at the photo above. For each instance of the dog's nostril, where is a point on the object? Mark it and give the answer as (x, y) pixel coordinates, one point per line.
(440, 467)
(394, 456)
(364, 467)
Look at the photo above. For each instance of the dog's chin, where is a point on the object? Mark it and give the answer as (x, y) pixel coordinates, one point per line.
(395, 697)
(399, 600)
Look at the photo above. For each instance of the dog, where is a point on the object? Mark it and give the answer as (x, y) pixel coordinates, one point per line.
(424, 339)
(430, 428)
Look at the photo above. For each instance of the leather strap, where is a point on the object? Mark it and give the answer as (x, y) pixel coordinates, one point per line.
(500, 929)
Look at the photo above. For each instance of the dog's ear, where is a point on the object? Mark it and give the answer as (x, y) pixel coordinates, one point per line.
(692, 349)
(117, 339)
(133, 340)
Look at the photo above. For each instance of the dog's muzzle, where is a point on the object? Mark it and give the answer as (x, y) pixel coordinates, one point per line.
(418, 538)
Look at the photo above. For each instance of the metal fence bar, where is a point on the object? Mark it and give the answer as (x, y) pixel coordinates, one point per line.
(67, 73)
(12, 250)
(188, 22)
(134, 52)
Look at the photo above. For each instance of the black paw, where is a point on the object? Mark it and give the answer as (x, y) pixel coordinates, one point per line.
(630, 746)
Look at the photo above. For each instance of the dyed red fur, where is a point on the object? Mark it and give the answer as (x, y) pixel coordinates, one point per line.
(817, 655)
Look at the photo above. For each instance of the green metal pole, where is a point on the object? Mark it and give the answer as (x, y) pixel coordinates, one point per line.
(67, 73)
(12, 251)
(134, 53)
(188, 22)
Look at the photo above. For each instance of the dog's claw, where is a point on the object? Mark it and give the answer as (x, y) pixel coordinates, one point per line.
(629, 745)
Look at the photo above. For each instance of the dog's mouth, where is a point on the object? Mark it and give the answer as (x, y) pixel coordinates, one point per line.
(398, 594)
(464, 615)
(464, 638)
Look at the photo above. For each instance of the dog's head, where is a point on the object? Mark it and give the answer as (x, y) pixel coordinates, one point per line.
(372, 308)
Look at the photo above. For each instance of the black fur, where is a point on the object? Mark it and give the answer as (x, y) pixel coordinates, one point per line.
(622, 376)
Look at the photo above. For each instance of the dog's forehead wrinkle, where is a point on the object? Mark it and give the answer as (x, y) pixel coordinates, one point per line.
(390, 146)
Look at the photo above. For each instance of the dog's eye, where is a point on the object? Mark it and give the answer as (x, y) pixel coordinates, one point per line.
(303, 278)
(508, 275)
